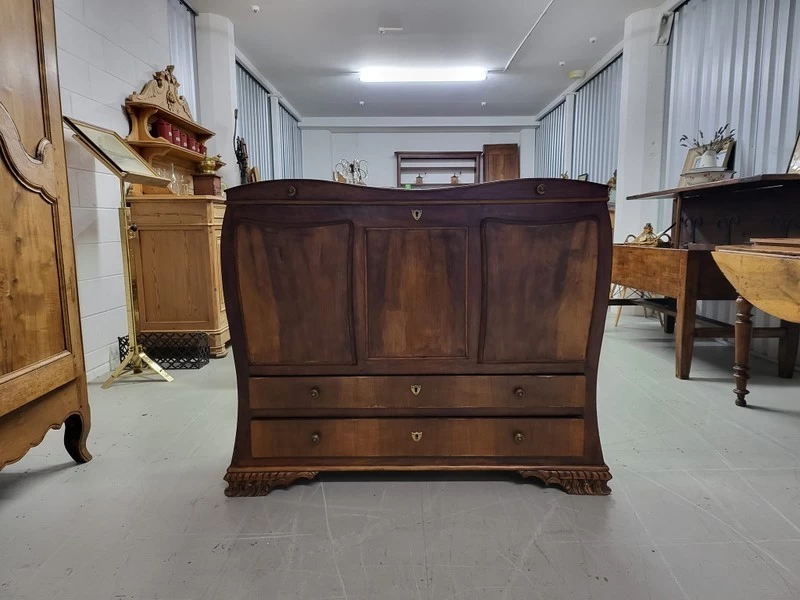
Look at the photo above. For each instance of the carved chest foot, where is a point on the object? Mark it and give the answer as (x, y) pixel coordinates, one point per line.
(585, 482)
(260, 483)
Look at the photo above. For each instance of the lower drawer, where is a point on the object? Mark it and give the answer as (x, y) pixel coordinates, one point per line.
(400, 392)
(331, 438)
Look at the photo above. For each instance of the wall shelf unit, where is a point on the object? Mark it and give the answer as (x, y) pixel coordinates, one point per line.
(437, 168)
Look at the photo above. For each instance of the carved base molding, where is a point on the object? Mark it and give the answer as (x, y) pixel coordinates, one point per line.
(261, 483)
(586, 482)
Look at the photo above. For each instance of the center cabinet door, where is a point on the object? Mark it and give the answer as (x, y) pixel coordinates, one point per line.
(399, 290)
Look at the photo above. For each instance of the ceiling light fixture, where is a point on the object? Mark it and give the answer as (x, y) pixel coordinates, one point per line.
(430, 75)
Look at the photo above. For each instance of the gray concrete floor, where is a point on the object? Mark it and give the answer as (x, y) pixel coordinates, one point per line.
(705, 503)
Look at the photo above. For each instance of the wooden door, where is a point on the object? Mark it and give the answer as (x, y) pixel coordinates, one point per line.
(42, 376)
(500, 161)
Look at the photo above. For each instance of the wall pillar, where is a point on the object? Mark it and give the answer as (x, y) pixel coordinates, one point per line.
(527, 152)
(641, 135)
(216, 82)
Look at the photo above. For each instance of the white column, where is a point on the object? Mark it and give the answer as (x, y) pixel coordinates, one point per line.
(569, 133)
(527, 152)
(641, 135)
(216, 82)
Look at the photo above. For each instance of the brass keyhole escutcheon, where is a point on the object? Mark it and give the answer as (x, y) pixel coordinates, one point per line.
(519, 392)
(541, 189)
(292, 191)
(416, 389)
(314, 392)
(417, 214)
(519, 437)
(315, 438)
(416, 435)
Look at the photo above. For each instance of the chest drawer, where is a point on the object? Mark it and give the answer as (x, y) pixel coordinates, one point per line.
(518, 393)
(397, 438)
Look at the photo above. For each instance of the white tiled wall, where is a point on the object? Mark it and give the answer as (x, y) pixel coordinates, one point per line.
(106, 50)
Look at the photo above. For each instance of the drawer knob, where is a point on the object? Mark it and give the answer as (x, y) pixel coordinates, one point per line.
(314, 392)
(416, 435)
(416, 389)
(519, 437)
(519, 392)
(315, 438)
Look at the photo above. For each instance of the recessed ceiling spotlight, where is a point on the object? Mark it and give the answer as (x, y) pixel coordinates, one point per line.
(483, 103)
(562, 63)
(577, 74)
(255, 8)
(592, 40)
(412, 75)
(361, 103)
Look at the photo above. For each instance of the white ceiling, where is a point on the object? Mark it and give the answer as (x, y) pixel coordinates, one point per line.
(311, 50)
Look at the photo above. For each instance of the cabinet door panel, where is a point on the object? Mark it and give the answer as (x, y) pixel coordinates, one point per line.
(297, 300)
(538, 290)
(416, 293)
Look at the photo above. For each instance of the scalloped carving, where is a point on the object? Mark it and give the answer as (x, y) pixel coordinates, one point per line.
(162, 91)
(261, 483)
(37, 173)
(587, 482)
(76, 443)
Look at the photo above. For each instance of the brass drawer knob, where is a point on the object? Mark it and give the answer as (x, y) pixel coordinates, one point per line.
(519, 437)
(519, 392)
(314, 392)
(416, 435)
(315, 438)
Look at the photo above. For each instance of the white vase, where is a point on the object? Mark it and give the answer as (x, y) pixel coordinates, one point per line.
(708, 159)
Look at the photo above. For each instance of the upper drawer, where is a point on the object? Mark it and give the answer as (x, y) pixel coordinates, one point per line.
(517, 394)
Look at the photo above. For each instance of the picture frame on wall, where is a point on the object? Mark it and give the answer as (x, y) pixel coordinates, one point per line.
(794, 161)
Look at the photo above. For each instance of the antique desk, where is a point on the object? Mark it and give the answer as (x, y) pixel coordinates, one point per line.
(766, 274)
(380, 329)
(704, 216)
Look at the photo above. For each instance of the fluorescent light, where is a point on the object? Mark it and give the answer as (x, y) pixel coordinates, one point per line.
(411, 75)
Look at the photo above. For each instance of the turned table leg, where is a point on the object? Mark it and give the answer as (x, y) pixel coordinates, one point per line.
(744, 335)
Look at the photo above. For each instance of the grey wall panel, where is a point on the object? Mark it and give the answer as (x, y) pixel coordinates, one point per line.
(550, 143)
(254, 121)
(596, 136)
(737, 62)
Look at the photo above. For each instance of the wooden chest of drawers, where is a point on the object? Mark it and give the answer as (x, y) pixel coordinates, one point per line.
(380, 329)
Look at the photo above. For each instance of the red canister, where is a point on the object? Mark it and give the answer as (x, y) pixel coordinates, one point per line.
(176, 136)
(184, 140)
(164, 129)
(193, 144)
(202, 148)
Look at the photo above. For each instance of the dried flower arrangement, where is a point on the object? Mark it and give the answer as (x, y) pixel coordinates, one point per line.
(722, 137)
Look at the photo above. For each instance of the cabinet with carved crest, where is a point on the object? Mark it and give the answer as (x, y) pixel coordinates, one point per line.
(42, 374)
(176, 243)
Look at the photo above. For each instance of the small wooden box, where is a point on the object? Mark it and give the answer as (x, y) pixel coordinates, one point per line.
(207, 185)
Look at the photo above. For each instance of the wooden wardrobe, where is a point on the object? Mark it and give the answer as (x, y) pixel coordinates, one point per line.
(42, 375)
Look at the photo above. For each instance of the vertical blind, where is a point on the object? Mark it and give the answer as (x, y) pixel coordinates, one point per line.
(183, 49)
(550, 143)
(596, 137)
(254, 121)
(291, 145)
(737, 62)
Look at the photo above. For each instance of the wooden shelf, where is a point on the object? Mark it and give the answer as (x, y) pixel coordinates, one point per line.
(424, 169)
(179, 121)
(438, 162)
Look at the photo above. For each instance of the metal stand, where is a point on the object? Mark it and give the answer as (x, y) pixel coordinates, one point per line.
(137, 358)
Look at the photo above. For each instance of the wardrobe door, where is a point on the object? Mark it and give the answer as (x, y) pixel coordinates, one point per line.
(42, 377)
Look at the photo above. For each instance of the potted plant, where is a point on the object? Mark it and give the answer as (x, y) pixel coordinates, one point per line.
(708, 150)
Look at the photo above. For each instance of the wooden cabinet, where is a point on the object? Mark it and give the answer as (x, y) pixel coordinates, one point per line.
(500, 162)
(387, 329)
(42, 375)
(177, 265)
